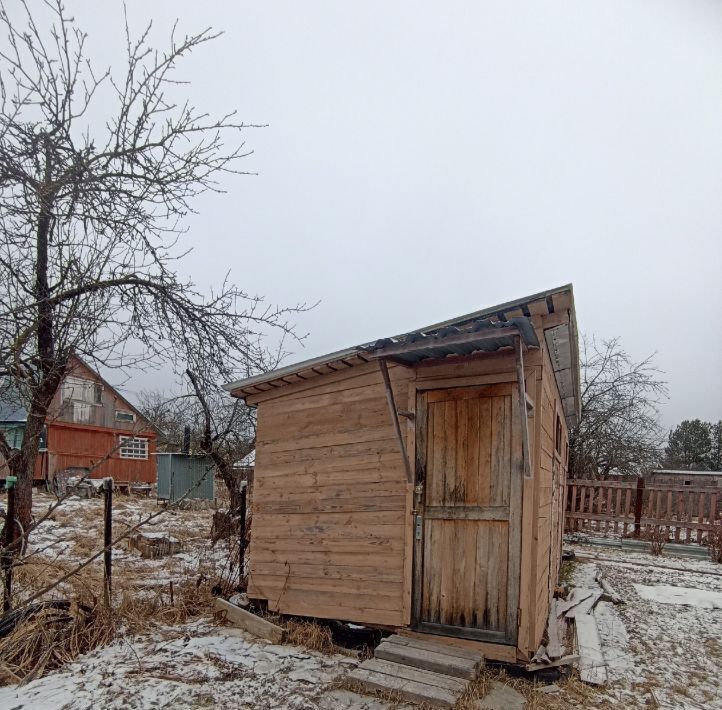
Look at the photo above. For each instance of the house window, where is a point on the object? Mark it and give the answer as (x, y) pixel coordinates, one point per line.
(79, 389)
(132, 447)
(688, 483)
(122, 415)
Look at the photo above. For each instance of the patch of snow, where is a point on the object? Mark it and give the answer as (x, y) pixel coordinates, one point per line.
(654, 657)
(192, 665)
(683, 596)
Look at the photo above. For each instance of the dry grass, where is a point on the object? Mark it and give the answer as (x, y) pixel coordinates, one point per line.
(573, 693)
(313, 636)
(657, 539)
(566, 572)
(140, 598)
(139, 612)
(714, 540)
(52, 638)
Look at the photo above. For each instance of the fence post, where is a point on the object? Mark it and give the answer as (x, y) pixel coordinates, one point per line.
(638, 504)
(8, 543)
(108, 539)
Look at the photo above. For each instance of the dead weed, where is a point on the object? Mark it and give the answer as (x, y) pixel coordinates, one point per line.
(313, 636)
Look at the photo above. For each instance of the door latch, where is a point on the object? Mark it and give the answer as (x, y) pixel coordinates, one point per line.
(419, 527)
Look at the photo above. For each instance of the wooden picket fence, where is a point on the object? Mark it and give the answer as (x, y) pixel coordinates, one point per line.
(631, 508)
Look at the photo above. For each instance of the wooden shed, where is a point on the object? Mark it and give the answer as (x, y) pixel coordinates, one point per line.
(417, 482)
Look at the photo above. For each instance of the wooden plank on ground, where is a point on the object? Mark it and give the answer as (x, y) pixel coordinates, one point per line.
(249, 622)
(585, 606)
(564, 661)
(424, 693)
(554, 647)
(438, 680)
(592, 666)
(428, 660)
(576, 596)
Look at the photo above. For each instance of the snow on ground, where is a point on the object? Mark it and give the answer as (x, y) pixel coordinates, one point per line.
(195, 665)
(656, 652)
(198, 664)
(682, 596)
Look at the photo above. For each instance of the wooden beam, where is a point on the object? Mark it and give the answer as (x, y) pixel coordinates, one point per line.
(522, 407)
(249, 622)
(466, 512)
(566, 661)
(432, 344)
(395, 418)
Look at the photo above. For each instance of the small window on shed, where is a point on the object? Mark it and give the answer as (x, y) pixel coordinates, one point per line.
(558, 436)
(688, 483)
(122, 415)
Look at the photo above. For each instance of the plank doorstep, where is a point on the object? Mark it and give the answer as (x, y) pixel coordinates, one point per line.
(428, 660)
(438, 680)
(442, 648)
(407, 689)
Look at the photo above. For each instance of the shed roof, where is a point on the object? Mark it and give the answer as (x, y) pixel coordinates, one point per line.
(11, 406)
(454, 337)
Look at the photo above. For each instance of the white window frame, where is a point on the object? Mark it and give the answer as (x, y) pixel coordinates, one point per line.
(124, 411)
(133, 447)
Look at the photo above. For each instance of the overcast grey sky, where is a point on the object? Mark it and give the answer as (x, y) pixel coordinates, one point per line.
(424, 160)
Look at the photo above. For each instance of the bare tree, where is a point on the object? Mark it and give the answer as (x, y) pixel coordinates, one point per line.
(228, 431)
(221, 427)
(91, 218)
(619, 428)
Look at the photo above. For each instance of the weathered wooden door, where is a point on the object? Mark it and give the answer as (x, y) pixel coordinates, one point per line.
(469, 455)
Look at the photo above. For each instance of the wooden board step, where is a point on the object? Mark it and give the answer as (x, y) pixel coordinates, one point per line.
(430, 656)
(437, 646)
(418, 670)
(408, 683)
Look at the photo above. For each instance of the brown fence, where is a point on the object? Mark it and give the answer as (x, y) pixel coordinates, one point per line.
(631, 508)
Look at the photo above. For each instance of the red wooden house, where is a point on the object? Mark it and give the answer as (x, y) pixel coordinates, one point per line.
(91, 429)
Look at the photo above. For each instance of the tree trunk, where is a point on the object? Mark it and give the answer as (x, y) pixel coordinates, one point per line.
(50, 372)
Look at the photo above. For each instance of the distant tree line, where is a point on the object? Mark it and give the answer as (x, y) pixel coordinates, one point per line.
(619, 432)
(694, 445)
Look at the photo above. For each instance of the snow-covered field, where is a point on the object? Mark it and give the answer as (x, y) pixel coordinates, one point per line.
(664, 645)
(195, 665)
(198, 664)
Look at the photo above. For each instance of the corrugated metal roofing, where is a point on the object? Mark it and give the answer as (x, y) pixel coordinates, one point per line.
(10, 408)
(12, 413)
(561, 340)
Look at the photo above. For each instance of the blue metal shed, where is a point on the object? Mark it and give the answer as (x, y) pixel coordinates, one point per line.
(182, 475)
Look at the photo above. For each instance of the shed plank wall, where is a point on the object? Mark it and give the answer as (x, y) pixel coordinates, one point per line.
(332, 525)
(550, 483)
(331, 499)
